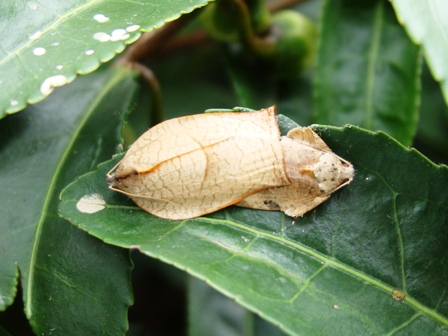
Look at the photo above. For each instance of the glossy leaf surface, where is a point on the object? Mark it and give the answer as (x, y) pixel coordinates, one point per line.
(47, 43)
(336, 270)
(426, 24)
(367, 71)
(67, 276)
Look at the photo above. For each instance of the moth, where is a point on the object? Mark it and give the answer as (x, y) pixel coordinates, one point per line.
(194, 165)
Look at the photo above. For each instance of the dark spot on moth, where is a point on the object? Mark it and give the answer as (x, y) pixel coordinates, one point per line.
(271, 204)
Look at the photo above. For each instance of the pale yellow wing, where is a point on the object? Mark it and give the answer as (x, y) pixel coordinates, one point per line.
(308, 137)
(209, 178)
(179, 136)
(314, 171)
(294, 200)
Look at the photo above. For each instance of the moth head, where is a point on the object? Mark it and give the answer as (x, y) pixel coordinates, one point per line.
(110, 179)
(332, 172)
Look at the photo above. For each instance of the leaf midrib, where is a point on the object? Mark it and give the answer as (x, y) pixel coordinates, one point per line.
(418, 306)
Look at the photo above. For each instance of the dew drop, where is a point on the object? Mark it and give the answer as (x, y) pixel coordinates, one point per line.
(50, 83)
(55, 44)
(34, 36)
(119, 34)
(132, 28)
(39, 51)
(101, 18)
(14, 102)
(91, 203)
(59, 67)
(89, 52)
(102, 37)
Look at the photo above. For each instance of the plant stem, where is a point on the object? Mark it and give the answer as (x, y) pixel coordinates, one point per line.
(157, 115)
(256, 44)
(150, 43)
(278, 5)
(156, 112)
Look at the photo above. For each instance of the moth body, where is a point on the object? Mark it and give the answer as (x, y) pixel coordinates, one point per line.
(191, 166)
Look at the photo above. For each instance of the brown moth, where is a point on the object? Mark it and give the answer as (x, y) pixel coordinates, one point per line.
(194, 165)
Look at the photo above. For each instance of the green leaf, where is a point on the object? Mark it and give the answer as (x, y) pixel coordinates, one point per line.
(432, 134)
(367, 71)
(330, 272)
(211, 313)
(72, 283)
(258, 87)
(47, 43)
(254, 84)
(3, 332)
(426, 24)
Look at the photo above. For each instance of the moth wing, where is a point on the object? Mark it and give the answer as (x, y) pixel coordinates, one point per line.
(294, 200)
(209, 178)
(303, 150)
(308, 137)
(176, 137)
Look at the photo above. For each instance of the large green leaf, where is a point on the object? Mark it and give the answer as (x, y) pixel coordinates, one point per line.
(367, 71)
(331, 272)
(47, 43)
(426, 23)
(72, 283)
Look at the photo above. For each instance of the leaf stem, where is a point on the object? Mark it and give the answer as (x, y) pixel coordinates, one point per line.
(256, 44)
(151, 43)
(157, 115)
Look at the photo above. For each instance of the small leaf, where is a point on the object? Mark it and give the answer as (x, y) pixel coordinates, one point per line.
(426, 24)
(212, 313)
(368, 70)
(331, 272)
(46, 44)
(433, 122)
(72, 283)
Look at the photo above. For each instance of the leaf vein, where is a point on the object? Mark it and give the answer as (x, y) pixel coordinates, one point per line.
(307, 283)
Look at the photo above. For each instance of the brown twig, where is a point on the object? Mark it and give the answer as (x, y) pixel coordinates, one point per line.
(279, 5)
(162, 41)
(188, 41)
(154, 86)
(150, 43)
